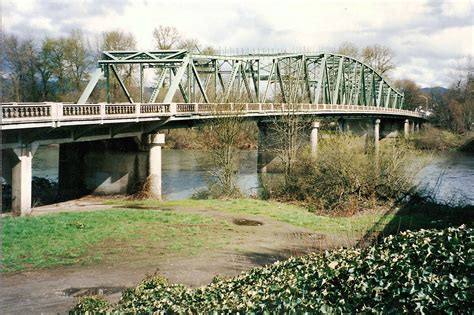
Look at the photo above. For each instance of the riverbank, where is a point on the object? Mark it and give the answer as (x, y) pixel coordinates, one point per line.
(103, 245)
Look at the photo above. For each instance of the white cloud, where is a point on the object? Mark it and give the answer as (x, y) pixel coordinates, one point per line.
(422, 33)
(457, 8)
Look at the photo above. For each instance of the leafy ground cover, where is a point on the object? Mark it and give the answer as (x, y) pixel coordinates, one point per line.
(86, 237)
(428, 271)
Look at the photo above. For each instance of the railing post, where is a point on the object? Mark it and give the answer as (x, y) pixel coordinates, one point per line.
(259, 107)
(173, 109)
(102, 112)
(196, 107)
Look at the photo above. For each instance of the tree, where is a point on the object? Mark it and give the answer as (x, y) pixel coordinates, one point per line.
(414, 97)
(119, 40)
(46, 67)
(77, 59)
(20, 68)
(454, 109)
(348, 49)
(221, 138)
(378, 57)
(166, 37)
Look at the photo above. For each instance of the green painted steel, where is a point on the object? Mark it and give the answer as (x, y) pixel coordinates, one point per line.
(315, 78)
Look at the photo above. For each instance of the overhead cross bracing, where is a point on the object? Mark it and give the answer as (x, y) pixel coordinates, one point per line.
(314, 78)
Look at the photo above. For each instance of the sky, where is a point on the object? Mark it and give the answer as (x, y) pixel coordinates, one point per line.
(430, 38)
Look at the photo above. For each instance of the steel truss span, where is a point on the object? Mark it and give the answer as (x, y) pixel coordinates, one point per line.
(310, 78)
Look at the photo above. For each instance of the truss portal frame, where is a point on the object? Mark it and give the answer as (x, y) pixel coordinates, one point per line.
(315, 78)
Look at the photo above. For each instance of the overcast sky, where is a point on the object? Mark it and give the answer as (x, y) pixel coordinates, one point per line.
(429, 37)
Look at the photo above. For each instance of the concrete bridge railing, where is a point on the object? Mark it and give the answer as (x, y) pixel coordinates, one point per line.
(26, 115)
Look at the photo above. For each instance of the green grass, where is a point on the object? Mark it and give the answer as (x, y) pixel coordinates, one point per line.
(107, 236)
(292, 214)
(86, 237)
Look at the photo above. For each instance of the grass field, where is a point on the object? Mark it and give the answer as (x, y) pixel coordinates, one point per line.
(287, 213)
(87, 237)
(110, 235)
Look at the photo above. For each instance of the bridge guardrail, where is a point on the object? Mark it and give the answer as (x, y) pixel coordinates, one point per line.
(23, 113)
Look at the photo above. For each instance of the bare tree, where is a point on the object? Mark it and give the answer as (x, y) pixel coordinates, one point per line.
(348, 49)
(20, 67)
(379, 57)
(221, 138)
(166, 37)
(119, 40)
(77, 57)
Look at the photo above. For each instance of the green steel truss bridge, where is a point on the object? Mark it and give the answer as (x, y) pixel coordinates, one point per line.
(188, 90)
(284, 78)
(193, 87)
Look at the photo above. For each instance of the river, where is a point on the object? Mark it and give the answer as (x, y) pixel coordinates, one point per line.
(448, 176)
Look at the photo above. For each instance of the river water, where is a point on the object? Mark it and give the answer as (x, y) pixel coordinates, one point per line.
(448, 177)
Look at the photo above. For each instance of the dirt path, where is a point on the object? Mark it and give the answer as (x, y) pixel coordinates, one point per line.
(53, 291)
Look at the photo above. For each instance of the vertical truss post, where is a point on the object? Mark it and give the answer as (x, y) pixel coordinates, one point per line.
(388, 97)
(282, 88)
(335, 95)
(141, 83)
(380, 91)
(319, 87)
(107, 82)
(269, 80)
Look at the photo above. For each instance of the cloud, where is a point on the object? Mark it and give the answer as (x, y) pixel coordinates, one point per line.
(426, 35)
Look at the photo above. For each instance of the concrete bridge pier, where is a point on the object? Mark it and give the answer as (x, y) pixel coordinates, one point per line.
(155, 141)
(314, 138)
(377, 134)
(263, 156)
(21, 179)
(406, 128)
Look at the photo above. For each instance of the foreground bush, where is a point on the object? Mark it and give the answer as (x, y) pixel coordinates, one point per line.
(428, 271)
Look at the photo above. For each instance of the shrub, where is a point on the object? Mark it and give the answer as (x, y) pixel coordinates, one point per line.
(91, 304)
(428, 271)
(347, 177)
(431, 138)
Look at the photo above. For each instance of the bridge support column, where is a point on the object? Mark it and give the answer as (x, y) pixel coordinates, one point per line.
(261, 154)
(377, 134)
(412, 127)
(155, 142)
(406, 128)
(21, 180)
(314, 138)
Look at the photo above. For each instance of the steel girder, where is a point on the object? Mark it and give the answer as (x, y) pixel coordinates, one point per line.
(316, 78)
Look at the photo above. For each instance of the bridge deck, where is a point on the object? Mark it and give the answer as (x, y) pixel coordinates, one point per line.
(40, 115)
